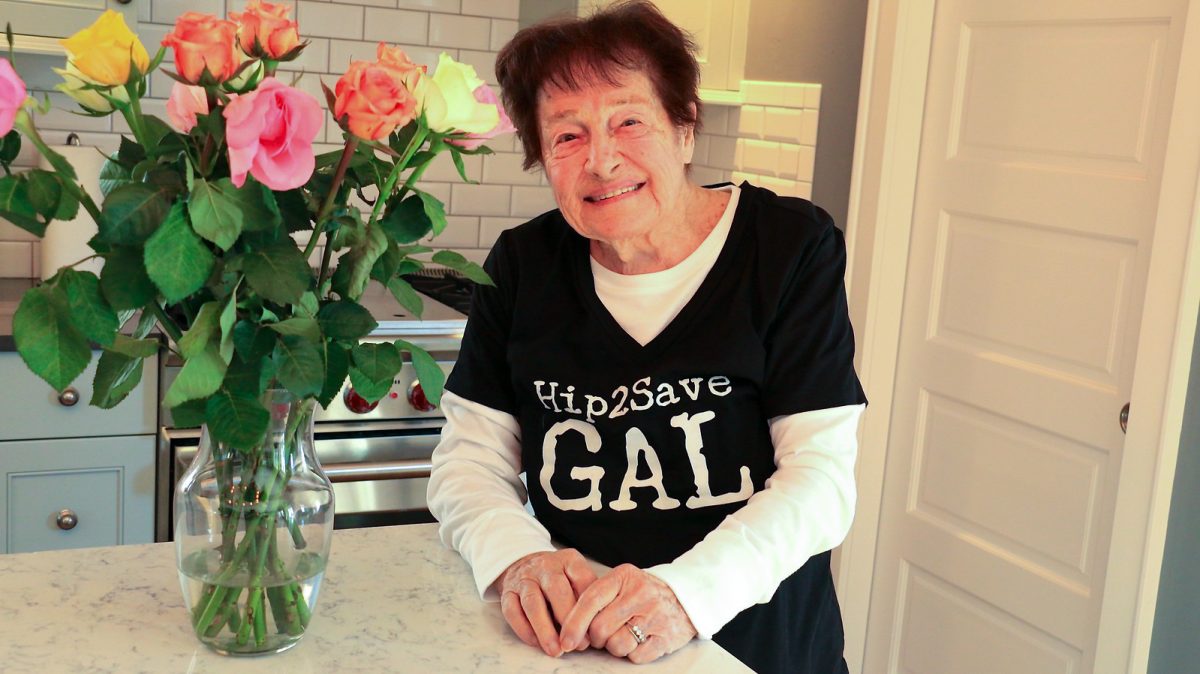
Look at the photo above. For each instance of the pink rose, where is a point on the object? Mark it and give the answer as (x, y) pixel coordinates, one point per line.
(184, 104)
(270, 132)
(484, 94)
(12, 95)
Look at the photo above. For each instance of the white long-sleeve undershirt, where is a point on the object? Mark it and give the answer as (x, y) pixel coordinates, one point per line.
(476, 492)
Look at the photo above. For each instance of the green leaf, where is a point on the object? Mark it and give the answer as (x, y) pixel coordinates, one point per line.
(113, 176)
(458, 164)
(90, 312)
(407, 221)
(252, 341)
(16, 207)
(45, 192)
(308, 305)
(131, 213)
(293, 210)
(128, 346)
(216, 215)
(189, 414)
(375, 367)
(278, 272)
(429, 373)
(130, 153)
(177, 261)
(301, 326)
(248, 377)
(200, 377)
(124, 281)
(407, 297)
(46, 338)
(300, 365)
(434, 210)
(237, 419)
(116, 375)
(260, 211)
(228, 317)
(453, 260)
(68, 207)
(364, 258)
(10, 147)
(204, 331)
(337, 366)
(346, 320)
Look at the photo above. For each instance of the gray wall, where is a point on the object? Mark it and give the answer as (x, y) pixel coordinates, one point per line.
(1175, 646)
(820, 42)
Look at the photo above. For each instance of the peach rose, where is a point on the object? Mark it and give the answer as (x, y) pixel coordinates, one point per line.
(270, 132)
(184, 104)
(205, 48)
(373, 99)
(264, 30)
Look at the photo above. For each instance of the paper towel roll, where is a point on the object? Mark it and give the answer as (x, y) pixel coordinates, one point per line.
(66, 242)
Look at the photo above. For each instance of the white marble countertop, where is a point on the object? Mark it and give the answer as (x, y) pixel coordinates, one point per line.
(394, 600)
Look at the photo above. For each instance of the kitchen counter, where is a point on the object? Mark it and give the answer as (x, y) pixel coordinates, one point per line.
(394, 599)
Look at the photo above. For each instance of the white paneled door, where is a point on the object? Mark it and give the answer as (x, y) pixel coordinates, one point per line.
(1041, 163)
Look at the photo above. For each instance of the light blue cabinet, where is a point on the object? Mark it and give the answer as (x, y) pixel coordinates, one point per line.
(71, 475)
(76, 493)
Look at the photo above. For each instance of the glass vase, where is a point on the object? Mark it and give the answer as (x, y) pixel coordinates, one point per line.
(253, 527)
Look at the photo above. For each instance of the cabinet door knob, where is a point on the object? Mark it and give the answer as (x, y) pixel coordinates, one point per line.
(1124, 418)
(67, 519)
(69, 397)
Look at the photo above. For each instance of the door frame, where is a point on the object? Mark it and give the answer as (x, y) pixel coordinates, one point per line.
(879, 223)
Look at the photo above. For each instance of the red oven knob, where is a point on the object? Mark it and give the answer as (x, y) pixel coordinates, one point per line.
(356, 403)
(416, 398)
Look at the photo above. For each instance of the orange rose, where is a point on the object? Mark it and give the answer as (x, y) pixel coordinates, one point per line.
(373, 99)
(205, 48)
(264, 30)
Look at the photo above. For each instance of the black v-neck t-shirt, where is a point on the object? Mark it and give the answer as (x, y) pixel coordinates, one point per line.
(634, 453)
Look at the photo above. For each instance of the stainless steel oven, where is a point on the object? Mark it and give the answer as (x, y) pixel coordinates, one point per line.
(378, 457)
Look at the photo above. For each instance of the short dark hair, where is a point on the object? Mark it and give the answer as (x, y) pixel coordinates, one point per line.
(568, 52)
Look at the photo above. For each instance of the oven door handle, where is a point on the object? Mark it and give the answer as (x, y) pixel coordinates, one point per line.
(382, 470)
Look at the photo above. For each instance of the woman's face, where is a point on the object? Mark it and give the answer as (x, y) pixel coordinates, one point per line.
(615, 161)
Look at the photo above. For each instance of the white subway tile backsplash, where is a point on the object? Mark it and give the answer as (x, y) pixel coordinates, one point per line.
(807, 162)
(396, 25)
(10, 232)
(484, 63)
(759, 156)
(314, 58)
(461, 232)
(812, 96)
(703, 175)
(152, 35)
(789, 160)
(463, 32)
(376, 3)
(722, 152)
(445, 6)
(143, 17)
(700, 153)
(442, 169)
(505, 168)
(502, 9)
(746, 122)
(530, 201)
(16, 259)
(783, 124)
(322, 19)
(166, 11)
(808, 130)
(502, 32)
(490, 228)
(439, 190)
(63, 116)
(479, 199)
(476, 255)
(715, 119)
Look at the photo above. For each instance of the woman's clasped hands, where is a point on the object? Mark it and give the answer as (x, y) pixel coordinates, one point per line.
(554, 601)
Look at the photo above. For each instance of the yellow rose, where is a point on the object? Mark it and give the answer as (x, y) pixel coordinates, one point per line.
(103, 50)
(75, 85)
(448, 99)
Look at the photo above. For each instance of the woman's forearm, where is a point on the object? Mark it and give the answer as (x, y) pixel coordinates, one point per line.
(805, 509)
(476, 493)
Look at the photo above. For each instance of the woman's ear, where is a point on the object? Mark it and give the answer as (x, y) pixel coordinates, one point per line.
(689, 137)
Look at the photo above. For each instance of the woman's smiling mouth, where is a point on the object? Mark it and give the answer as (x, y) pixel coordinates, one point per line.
(614, 194)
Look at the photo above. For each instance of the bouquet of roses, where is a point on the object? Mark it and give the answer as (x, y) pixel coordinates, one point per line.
(196, 232)
(196, 222)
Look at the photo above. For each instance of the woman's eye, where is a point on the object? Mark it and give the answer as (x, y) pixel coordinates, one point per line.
(565, 138)
(630, 122)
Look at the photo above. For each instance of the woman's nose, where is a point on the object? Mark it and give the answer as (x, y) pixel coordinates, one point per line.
(603, 156)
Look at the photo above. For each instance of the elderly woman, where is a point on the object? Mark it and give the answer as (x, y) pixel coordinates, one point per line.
(669, 366)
